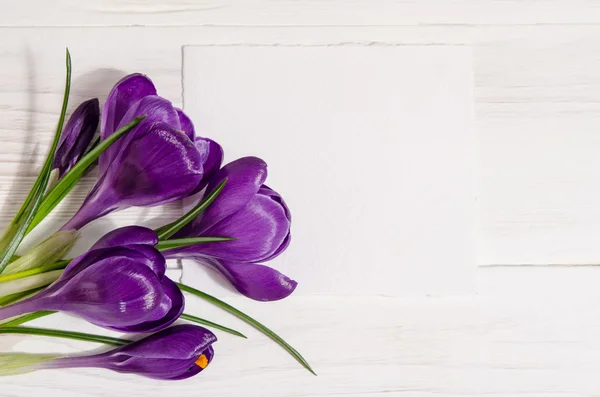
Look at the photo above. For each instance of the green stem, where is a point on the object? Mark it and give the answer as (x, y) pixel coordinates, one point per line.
(48, 205)
(35, 315)
(166, 231)
(50, 158)
(64, 334)
(249, 320)
(33, 201)
(69, 180)
(185, 242)
(26, 318)
(202, 321)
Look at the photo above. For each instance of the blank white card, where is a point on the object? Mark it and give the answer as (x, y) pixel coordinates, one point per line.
(371, 147)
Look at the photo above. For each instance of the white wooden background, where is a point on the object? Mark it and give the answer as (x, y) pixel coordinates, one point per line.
(532, 329)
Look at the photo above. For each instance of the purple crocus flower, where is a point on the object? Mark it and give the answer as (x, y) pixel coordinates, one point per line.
(119, 284)
(77, 136)
(155, 163)
(257, 217)
(135, 94)
(175, 353)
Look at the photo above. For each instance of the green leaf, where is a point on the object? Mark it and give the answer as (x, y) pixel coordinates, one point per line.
(167, 231)
(47, 206)
(202, 321)
(61, 121)
(56, 333)
(26, 318)
(193, 319)
(69, 180)
(29, 209)
(37, 270)
(185, 242)
(7, 235)
(249, 320)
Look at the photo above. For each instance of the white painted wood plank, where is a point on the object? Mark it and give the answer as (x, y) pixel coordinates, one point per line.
(372, 180)
(511, 340)
(538, 123)
(289, 12)
(536, 86)
(32, 80)
(532, 332)
(31, 84)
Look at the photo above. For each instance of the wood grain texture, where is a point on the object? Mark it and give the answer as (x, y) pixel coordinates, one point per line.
(539, 122)
(531, 331)
(536, 93)
(332, 134)
(504, 342)
(290, 12)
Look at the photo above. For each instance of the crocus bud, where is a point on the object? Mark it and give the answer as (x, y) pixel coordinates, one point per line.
(119, 284)
(77, 136)
(175, 353)
(257, 217)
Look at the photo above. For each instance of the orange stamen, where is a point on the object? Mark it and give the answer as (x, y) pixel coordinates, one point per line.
(202, 361)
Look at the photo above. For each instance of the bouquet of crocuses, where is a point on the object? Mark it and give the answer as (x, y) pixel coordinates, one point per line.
(147, 154)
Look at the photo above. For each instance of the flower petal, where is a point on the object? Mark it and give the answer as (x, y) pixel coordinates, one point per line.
(163, 369)
(127, 235)
(115, 292)
(183, 342)
(159, 167)
(144, 254)
(280, 249)
(187, 127)
(77, 135)
(124, 94)
(209, 353)
(210, 151)
(84, 261)
(267, 191)
(258, 282)
(148, 256)
(173, 304)
(261, 227)
(212, 158)
(156, 109)
(245, 177)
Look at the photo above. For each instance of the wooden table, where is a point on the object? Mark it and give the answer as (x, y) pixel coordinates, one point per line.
(530, 331)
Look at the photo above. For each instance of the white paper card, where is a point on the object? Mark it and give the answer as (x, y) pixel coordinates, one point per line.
(371, 147)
